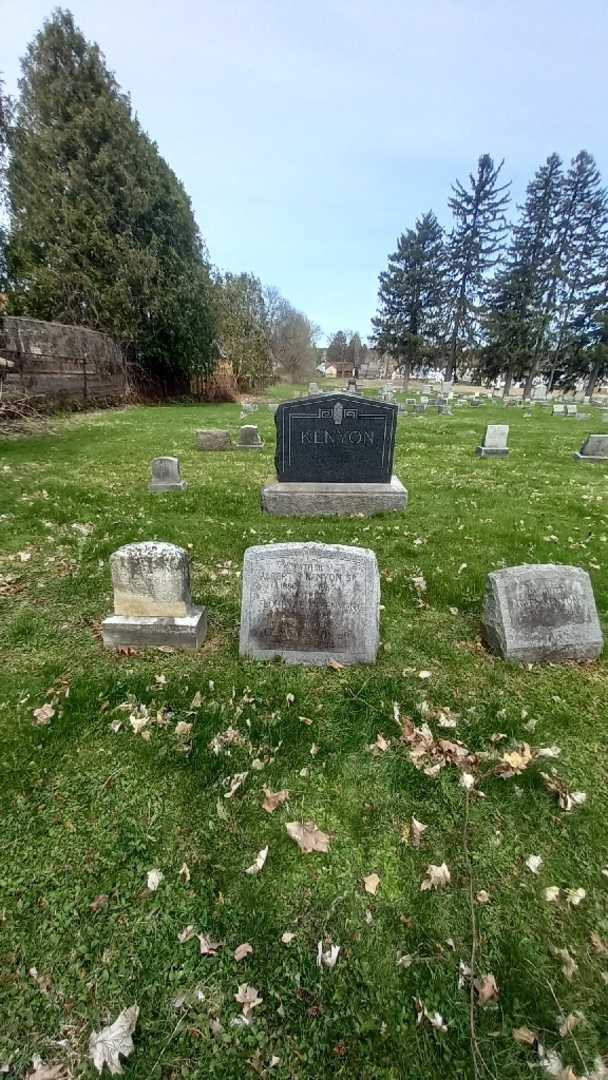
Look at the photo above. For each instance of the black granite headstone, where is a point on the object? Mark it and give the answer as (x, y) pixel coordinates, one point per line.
(335, 439)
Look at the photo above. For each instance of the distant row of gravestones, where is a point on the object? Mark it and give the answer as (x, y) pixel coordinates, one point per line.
(312, 603)
(334, 456)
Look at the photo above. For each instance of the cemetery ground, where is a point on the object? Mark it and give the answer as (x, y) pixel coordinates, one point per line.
(116, 765)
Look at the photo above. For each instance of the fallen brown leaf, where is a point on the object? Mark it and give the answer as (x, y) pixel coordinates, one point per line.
(525, 1036)
(371, 883)
(242, 951)
(307, 836)
(437, 877)
(487, 989)
(274, 799)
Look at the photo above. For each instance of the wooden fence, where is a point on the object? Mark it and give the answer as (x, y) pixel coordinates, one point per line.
(51, 363)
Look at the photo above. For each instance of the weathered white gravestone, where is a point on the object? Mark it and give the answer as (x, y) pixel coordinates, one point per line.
(213, 439)
(166, 475)
(541, 613)
(559, 410)
(571, 410)
(495, 441)
(249, 438)
(310, 603)
(153, 599)
(594, 448)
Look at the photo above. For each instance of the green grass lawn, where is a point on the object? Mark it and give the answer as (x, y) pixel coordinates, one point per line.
(88, 811)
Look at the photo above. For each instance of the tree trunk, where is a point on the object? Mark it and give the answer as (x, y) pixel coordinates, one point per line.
(407, 371)
(529, 381)
(508, 381)
(595, 370)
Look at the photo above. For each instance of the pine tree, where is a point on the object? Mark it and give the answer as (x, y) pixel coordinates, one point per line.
(337, 350)
(574, 272)
(474, 248)
(517, 296)
(581, 283)
(4, 129)
(411, 296)
(101, 231)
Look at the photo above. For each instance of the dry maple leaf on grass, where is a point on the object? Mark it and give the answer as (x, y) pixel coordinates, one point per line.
(371, 883)
(274, 799)
(307, 836)
(487, 989)
(40, 1071)
(249, 998)
(242, 951)
(108, 1045)
(413, 832)
(568, 800)
(437, 877)
(208, 947)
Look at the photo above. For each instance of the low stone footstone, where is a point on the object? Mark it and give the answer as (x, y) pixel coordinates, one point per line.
(605, 418)
(213, 439)
(313, 389)
(541, 613)
(559, 410)
(249, 438)
(334, 457)
(248, 407)
(594, 448)
(153, 599)
(166, 475)
(571, 410)
(495, 441)
(420, 409)
(310, 604)
(444, 410)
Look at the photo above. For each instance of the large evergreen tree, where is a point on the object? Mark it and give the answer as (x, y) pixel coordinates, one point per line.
(517, 297)
(574, 282)
(411, 296)
(474, 248)
(4, 128)
(101, 231)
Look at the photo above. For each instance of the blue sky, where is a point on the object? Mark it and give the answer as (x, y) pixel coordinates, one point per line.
(310, 134)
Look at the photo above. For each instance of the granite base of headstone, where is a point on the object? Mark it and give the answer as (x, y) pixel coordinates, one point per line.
(153, 599)
(594, 448)
(334, 457)
(537, 613)
(495, 441)
(213, 439)
(310, 603)
(166, 475)
(249, 438)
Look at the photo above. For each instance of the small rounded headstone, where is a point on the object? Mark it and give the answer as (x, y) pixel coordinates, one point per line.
(249, 438)
(166, 475)
(537, 613)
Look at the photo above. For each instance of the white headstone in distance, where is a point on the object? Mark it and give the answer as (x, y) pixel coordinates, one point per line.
(495, 441)
(166, 475)
(594, 448)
